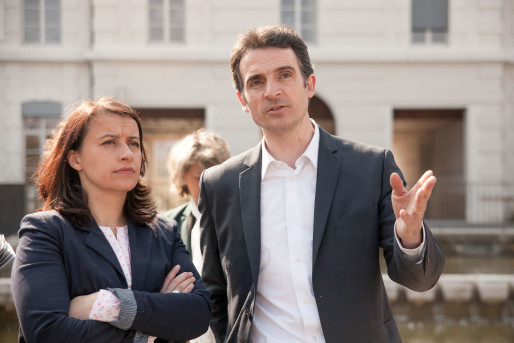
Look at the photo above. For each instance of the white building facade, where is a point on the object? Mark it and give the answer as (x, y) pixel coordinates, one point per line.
(436, 85)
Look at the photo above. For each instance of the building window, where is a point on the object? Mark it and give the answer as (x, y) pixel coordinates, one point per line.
(301, 15)
(42, 21)
(2, 19)
(40, 119)
(166, 21)
(429, 21)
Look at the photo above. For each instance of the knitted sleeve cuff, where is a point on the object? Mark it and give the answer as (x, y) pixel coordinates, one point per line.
(128, 308)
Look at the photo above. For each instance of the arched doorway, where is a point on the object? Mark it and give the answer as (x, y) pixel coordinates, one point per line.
(321, 113)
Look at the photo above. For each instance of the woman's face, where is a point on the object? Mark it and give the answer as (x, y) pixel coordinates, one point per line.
(192, 179)
(109, 159)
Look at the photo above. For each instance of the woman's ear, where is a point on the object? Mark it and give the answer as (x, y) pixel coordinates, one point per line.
(74, 160)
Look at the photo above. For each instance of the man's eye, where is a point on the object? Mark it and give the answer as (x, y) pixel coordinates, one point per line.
(255, 83)
(285, 75)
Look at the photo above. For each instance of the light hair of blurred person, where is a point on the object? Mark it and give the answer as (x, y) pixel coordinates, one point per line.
(187, 160)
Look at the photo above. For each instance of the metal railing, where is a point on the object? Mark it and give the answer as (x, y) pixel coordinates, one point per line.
(486, 204)
(457, 204)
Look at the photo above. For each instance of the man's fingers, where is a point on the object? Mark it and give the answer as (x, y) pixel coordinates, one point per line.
(420, 201)
(428, 186)
(397, 184)
(423, 179)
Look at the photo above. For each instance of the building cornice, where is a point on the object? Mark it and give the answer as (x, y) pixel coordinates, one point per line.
(320, 55)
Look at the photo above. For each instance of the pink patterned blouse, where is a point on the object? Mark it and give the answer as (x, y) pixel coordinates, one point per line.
(107, 306)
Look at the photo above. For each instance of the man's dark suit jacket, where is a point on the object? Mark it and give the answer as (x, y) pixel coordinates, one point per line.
(58, 260)
(353, 217)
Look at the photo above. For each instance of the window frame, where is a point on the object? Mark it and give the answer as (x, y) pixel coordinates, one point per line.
(2, 20)
(428, 27)
(299, 10)
(43, 25)
(166, 7)
(47, 116)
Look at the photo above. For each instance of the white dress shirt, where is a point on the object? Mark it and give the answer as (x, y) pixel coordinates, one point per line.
(196, 252)
(285, 307)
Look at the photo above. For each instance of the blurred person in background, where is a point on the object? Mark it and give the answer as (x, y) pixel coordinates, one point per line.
(96, 263)
(187, 160)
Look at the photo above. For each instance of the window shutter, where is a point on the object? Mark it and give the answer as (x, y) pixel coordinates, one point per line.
(430, 14)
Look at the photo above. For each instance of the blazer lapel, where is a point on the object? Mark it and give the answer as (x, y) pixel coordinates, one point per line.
(250, 195)
(326, 184)
(140, 238)
(96, 241)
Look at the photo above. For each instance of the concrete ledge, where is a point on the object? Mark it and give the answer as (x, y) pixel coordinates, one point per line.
(491, 288)
(455, 287)
(473, 231)
(420, 297)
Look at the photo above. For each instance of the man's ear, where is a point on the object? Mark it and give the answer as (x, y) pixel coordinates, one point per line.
(311, 85)
(74, 160)
(242, 101)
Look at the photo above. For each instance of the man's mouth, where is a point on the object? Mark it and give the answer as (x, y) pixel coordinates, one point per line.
(276, 108)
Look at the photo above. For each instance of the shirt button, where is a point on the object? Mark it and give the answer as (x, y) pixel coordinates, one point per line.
(314, 338)
(305, 301)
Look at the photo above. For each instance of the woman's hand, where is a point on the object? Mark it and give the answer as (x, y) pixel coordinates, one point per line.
(81, 306)
(183, 283)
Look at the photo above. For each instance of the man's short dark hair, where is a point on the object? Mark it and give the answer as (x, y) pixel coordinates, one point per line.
(279, 36)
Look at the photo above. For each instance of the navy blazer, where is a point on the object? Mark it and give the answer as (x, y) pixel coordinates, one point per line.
(57, 260)
(353, 218)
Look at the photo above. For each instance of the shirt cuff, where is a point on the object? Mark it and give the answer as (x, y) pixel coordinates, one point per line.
(128, 308)
(415, 255)
(106, 307)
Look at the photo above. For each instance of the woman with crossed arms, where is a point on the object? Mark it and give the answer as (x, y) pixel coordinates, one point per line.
(97, 264)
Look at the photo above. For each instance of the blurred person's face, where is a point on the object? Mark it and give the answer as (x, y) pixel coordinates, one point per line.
(274, 91)
(109, 159)
(192, 179)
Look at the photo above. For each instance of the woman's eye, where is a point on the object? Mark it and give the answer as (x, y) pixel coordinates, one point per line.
(134, 144)
(108, 142)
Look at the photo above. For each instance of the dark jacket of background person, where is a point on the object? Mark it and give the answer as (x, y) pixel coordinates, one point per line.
(353, 217)
(58, 260)
(185, 220)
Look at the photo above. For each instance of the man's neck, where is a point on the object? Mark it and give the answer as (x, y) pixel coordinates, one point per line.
(289, 146)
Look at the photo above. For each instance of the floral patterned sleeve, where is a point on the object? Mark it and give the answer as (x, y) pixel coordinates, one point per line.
(106, 307)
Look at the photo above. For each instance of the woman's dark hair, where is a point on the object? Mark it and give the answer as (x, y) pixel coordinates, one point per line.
(59, 184)
(279, 36)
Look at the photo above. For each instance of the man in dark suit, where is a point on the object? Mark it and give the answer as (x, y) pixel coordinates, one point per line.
(291, 229)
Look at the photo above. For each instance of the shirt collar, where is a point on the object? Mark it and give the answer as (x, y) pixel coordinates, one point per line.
(194, 208)
(311, 152)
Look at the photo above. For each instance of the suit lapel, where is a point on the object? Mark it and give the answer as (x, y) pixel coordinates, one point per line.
(250, 195)
(140, 239)
(96, 241)
(326, 183)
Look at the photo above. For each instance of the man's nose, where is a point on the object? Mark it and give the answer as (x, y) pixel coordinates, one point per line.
(272, 90)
